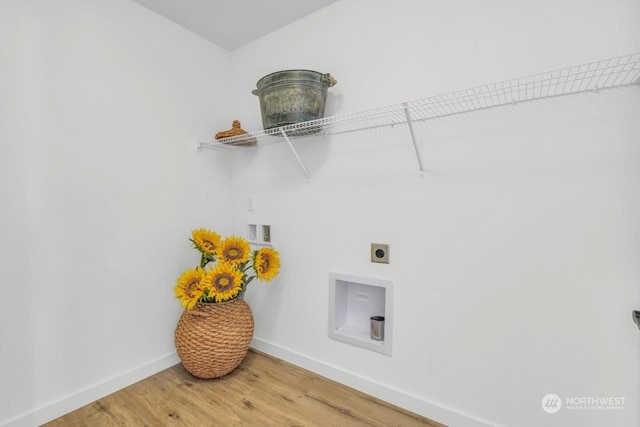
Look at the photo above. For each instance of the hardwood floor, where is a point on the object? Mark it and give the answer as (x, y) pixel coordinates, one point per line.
(262, 391)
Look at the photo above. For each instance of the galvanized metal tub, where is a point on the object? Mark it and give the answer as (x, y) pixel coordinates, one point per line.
(292, 96)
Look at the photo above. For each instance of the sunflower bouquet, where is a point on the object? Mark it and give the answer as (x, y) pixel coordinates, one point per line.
(235, 267)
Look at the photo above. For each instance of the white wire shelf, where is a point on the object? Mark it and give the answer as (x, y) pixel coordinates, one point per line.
(592, 76)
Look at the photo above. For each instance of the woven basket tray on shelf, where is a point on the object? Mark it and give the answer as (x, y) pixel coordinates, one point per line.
(213, 338)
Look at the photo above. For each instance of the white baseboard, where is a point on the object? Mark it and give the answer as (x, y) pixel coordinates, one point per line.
(82, 397)
(371, 387)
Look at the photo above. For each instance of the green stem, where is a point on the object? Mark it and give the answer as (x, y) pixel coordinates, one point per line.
(204, 260)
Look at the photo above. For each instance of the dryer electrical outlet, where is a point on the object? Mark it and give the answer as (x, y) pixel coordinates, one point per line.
(380, 253)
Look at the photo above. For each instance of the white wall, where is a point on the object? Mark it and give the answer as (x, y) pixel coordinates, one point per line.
(100, 108)
(516, 258)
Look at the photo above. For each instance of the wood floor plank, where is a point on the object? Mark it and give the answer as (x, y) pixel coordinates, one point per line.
(262, 391)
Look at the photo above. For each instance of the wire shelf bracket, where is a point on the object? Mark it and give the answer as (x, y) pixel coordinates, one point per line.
(416, 145)
(589, 77)
(295, 153)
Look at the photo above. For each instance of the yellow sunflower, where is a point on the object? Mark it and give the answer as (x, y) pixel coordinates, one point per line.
(266, 263)
(234, 250)
(206, 241)
(189, 287)
(224, 282)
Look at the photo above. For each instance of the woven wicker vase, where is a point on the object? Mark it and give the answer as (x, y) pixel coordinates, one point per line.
(213, 338)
